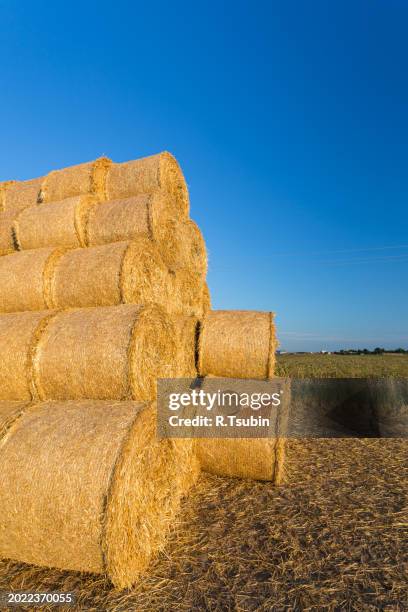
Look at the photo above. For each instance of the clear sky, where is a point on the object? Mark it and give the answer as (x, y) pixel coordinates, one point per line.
(289, 119)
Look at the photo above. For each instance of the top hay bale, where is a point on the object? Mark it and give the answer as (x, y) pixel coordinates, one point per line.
(98, 494)
(141, 176)
(88, 178)
(17, 195)
(237, 344)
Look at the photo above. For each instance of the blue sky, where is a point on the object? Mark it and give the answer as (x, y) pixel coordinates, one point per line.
(290, 122)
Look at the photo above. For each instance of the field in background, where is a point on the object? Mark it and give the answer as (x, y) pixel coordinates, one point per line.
(342, 366)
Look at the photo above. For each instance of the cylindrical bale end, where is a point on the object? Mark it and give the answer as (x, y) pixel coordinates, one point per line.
(146, 175)
(237, 344)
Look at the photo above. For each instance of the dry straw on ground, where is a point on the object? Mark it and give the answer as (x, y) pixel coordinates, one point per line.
(58, 224)
(100, 492)
(19, 333)
(88, 178)
(332, 538)
(110, 352)
(146, 175)
(237, 344)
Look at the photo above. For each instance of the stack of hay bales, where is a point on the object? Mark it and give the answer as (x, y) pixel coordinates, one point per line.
(102, 279)
(102, 291)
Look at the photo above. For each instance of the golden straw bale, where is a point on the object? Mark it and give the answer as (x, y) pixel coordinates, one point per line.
(109, 352)
(188, 247)
(146, 175)
(237, 344)
(7, 239)
(100, 492)
(111, 274)
(186, 334)
(9, 413)
(256, 458)
(19, 334)
(206, 298)
(88, 178)
(187, 293)
(22, 194)
(22, 280)
(60, 224)
(4, 186)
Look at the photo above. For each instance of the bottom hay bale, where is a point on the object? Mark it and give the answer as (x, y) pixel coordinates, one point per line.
(87, 486)
(256, 458)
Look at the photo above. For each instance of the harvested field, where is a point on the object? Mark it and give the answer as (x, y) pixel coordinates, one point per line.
(334, 537)
(342, 366)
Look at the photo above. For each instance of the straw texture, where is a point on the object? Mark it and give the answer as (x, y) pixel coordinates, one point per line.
(111, 274)
(3, 188)
(147, 175)
(237, 344)
(22, 280)
(110, 352)
(98, 495)
(7, 241)
(186, 335)
(255, 458)
(88, 178)
(188, 247)
(59, 224)
(22, 194)
(19, 333)
(187, 293)
(9, 413)
(206, 298)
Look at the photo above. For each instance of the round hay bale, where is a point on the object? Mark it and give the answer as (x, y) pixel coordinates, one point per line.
(22, 194)
(4, 186)
(19, 334)
(22, 280)
(188, 247)
(88, 178)
(111, 274)
(187, 293)
(100, 492)
(186, 335)
(59, 224)
(253, 458)
(7, 239)
(9, 413)
(110, 352)
(237, 344)
(146, 175)
(206, 298)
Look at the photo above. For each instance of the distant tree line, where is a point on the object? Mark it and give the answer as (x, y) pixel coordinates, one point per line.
(377, 351)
